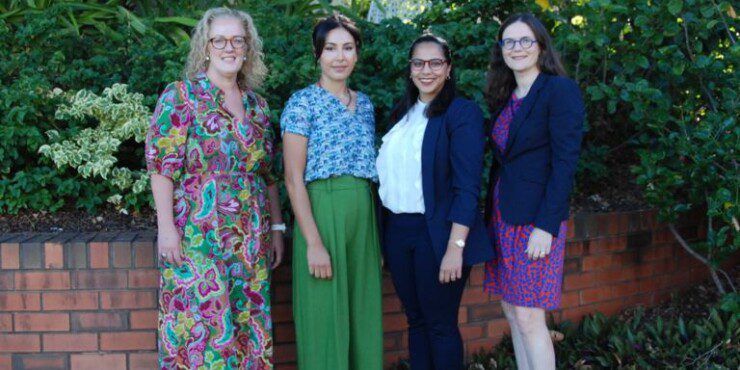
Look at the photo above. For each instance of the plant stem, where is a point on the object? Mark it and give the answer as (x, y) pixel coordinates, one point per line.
(685, 245)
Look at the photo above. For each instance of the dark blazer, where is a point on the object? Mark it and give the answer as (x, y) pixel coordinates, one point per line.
(538, 166)
(451, 170)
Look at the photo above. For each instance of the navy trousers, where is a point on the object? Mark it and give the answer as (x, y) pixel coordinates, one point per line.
(431, 307)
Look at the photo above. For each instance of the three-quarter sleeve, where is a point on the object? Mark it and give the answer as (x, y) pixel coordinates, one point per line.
(269, 170)
(168, 132)
(295, 118)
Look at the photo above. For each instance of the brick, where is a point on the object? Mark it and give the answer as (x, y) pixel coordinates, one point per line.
(98, 321)
(143, 278)
(7, 280)
(574, 249)
(16, 343)
(472, 331)
(97, 279)
(32, 255)
(282, 312)
(41, 322)
(281, 293)
(16, 301)
(592, 295)
(462, 315)
(40, 362)
(483, 344)
(128, 341)
(610, 261)
(607, 245)
(571, 265)
(394, 322)
(121, 254)
(10, 256)
(5, 362)
(285, 352)
(53, 255)
(393, 341)
(73, 342)
(484, 312)
(144, 319)
(143, 253)
(76, 255)
(98, 255)
(570, 299)
(284, 333)
(127, 299)
(658, 252)
(474, 296)
(42, 280)
(639, 240)
(391, 303)
(6, 322)
(142, 361)
(92, 361)
(73, 300)
(497, 328)
(477, 276)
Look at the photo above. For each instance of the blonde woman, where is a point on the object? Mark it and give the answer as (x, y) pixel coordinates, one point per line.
(209, 151)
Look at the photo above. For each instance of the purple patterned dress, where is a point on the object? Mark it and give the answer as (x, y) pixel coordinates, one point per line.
(518, 279)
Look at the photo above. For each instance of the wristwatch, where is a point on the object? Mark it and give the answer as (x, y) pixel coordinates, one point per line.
(278, 227)
(459, 243)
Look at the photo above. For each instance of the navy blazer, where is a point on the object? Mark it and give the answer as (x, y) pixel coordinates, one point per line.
(537, 168)
(451, 170)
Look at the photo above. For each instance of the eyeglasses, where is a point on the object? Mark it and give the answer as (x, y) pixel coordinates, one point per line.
(237, 42)
(510, 44)
(435, 64)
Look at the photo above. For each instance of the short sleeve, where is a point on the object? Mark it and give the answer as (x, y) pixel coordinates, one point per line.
(268, 172)
(295, 117)
(168, 132)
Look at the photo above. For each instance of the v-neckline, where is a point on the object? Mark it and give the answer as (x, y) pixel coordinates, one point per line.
(345, 109)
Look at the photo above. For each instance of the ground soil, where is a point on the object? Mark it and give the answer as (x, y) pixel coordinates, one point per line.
(614, 196)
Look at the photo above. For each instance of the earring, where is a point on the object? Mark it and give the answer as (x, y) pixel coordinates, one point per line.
(208, 58)
(448, 77)
(244, 58)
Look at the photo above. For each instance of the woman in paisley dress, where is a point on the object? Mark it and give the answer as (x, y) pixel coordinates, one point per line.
(210, 154)
(328, 140)
(536, 137)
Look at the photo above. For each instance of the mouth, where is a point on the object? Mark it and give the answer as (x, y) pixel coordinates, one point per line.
(427, 80)
(339, 69)
(229, 58)
(519, 57)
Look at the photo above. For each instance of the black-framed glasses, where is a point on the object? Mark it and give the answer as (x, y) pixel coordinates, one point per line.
(434, 64)
(237, 42)
(510, 44)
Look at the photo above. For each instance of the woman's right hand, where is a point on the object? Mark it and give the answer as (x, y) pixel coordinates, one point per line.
(319, 262)
(168, 246)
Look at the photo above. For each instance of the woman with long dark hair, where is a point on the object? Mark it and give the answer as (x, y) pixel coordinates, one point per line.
(536, 137)
(429, 167)
(328, 140)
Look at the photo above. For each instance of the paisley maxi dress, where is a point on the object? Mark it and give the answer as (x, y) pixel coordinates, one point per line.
(214, 310)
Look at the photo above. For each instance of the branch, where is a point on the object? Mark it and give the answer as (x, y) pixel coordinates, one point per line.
(708, 93)
(685, 245)
(724, 22)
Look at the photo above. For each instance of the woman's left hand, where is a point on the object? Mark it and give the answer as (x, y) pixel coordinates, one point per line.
(451, 267)
(539, 244)
(277, 250)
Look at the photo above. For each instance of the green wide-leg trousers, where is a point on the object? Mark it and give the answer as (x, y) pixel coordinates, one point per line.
(339, 321)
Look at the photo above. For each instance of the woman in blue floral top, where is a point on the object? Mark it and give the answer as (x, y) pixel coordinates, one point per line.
(328, 138)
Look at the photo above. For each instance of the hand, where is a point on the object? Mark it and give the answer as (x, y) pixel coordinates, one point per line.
(319, 262)
(451, 267)
(168, 245)
(277, 249)
(539, 244)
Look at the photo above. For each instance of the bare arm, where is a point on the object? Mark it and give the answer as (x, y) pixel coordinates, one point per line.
(294, 153)
(168, 239)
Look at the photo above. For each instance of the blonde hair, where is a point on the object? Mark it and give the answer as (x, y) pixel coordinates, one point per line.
(253, 70)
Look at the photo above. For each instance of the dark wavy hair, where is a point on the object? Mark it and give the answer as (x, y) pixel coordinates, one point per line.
(501, 82)
(439, 104)
(327, 24)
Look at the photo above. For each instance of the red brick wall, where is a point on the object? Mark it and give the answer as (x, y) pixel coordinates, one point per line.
(78, 301)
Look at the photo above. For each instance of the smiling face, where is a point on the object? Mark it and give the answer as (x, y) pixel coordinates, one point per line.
(225, 32)
(520, 59)
(339, 55)
(428, 79)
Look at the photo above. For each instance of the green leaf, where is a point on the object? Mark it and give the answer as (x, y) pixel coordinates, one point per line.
(675, 6)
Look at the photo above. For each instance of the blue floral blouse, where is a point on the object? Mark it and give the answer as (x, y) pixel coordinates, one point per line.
(339, 142)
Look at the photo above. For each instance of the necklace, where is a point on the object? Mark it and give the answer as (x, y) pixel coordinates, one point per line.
(346, 91)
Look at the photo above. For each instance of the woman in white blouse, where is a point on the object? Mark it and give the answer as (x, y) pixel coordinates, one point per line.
(429, 167)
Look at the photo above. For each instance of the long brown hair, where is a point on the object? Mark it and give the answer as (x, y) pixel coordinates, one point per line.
(501, 82)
